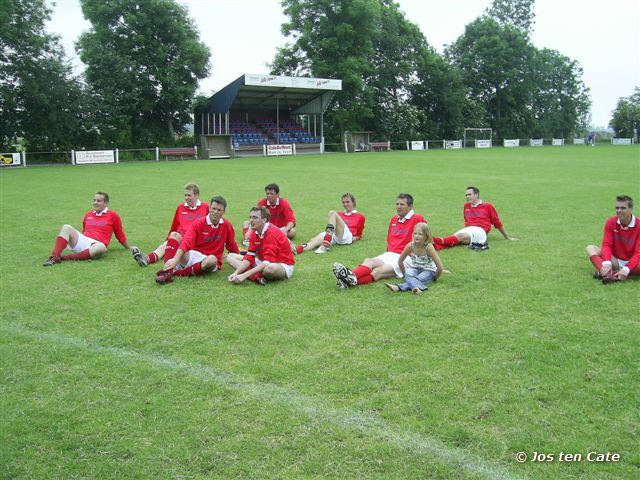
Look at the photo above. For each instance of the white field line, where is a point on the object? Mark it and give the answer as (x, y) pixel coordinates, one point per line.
(367, 423)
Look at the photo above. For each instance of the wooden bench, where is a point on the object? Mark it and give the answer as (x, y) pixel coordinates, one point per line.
(181, 152)
(380, 146)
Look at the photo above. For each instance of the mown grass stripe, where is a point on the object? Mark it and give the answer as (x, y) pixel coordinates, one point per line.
(365, 423)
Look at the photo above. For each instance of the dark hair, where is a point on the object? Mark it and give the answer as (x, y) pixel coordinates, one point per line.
(408, 198)
(351, 197)
(475, 190)
(272, 186)
(220, 200)
(104, 195)
(264, 212)
(625, 198)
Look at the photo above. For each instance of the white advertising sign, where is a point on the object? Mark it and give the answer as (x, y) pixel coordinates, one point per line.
(536, 142)
(7, 159)
(621, 141)
(279, 150)
(483, 143)
(578, 141)
(557, 142)
(512, 143)
(452, 144)
(94, 156)
(317, 83)
(417, 145)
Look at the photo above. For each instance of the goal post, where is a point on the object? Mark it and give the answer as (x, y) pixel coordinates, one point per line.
(472, 134)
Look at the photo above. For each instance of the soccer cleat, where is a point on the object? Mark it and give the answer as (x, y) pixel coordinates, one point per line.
(597, 275)
(341, 283)
(163, 277)
(479, 246)
(343, 273)
(141, 258)
(261, 281)
(51, 261)
(321, 249)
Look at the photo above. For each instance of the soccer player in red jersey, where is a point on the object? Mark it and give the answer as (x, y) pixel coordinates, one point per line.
(269, 256)
(343, 228)
(202, 248)
(619, 255)
(385, 265)
(280, 210)
(479, 216)
(186, 213)
(98, 226)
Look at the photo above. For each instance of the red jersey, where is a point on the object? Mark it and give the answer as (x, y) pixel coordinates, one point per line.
(270, 246)
(355, 222)
(482, 215)
(622, 242)
(185, 215)
(100, 226)
(210, 239)
(281, 212)
(401, 231)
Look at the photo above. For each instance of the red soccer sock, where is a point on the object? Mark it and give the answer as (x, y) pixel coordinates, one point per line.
(438, 246)
(326, 241)
(596, 260)
(365, 279)
(153, 257)
(193, 270)
(361, 271)
(83, 255)
(451, 241)
(300, 249)
(170, 249)
(257, 278)
(61, 244)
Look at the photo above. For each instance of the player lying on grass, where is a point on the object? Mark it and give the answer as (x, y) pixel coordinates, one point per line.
(202, 248)
(98, 226)
(269, 256)
(384, 265)
(479, 216)
(185, 214)
(619, 255)
(280, 210)
(343, 228)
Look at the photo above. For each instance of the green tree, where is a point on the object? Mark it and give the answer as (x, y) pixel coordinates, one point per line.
(561, 101)
(40, 100)
(143, 62)
(514, 13)
(626, 116)
(495, 62)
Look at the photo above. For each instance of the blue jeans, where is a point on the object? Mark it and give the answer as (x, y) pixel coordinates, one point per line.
(417, 278)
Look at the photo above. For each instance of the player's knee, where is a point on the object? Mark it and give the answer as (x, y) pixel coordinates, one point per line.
(97, 250)
(175, 236)
(209, 263)
(291, 233)
(591, 250)
(66, 229)
(272, 272)
(332, 213)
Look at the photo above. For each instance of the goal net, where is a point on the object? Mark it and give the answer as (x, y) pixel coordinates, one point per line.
(472, 135)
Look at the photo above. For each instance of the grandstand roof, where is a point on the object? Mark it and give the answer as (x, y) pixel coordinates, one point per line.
(298, 95)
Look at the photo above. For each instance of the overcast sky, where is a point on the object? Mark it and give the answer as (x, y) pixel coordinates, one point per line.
(243, 36)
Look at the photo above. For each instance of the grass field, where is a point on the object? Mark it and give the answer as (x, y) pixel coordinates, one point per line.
(105, 374)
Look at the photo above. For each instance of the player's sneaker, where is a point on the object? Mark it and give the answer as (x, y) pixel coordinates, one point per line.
(51, 261)
(321, 249)
(141, 258)
(163, 277)
(341, 283)
(597, 275)
(343, 273)
(479, 246)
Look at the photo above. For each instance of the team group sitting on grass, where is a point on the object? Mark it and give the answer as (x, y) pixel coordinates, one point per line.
(199, 235)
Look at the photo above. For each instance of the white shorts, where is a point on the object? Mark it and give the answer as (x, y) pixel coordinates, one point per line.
(478, 235)
(288, 269)
(194, 257)
(347, 237)
(390, 258)
(82, 244)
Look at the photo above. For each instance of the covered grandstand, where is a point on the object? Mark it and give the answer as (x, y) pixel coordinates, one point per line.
(258, 111)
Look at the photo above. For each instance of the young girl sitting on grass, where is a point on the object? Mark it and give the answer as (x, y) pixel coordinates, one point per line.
(423, 263)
